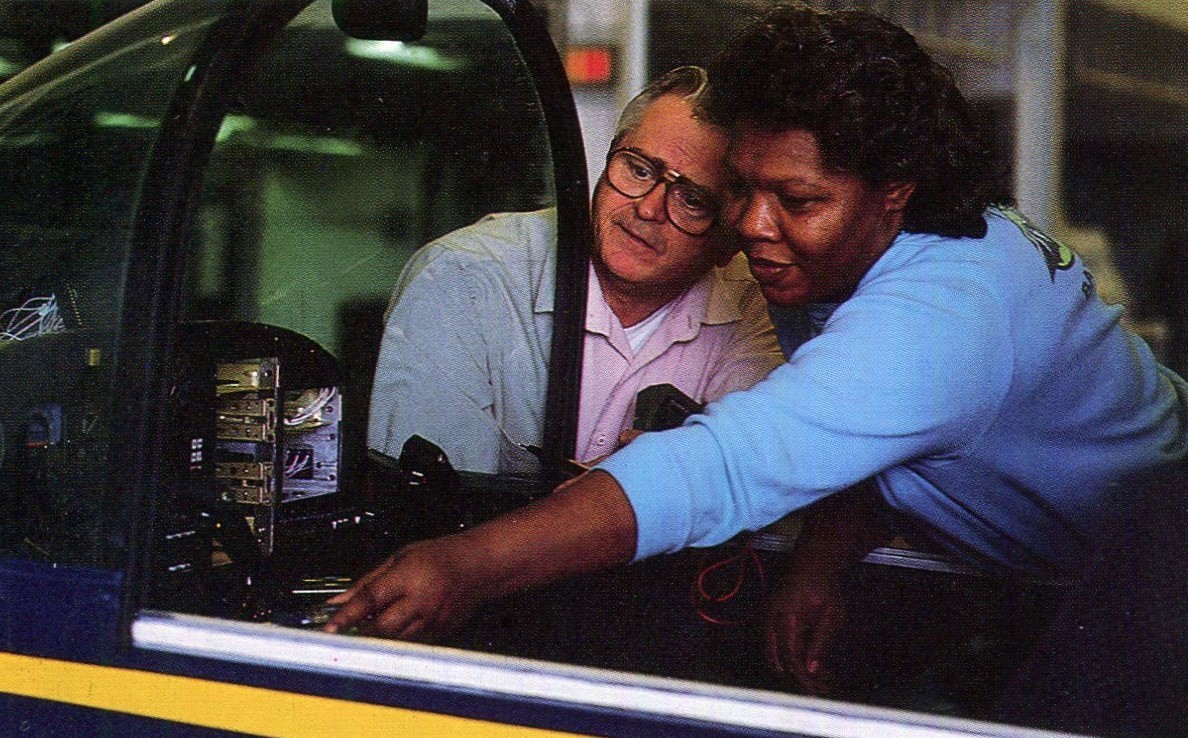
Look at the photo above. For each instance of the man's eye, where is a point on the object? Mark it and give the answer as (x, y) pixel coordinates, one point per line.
(641, 172)
(693, 201)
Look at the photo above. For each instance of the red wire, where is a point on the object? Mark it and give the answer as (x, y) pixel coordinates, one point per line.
(701, 595)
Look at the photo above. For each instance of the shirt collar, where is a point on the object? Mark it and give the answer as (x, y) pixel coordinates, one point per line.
(708, 302)
(600, 318)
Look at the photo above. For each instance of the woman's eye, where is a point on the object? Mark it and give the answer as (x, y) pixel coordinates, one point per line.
(792, 202)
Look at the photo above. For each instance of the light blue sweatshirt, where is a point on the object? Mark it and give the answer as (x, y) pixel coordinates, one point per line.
(983, 383)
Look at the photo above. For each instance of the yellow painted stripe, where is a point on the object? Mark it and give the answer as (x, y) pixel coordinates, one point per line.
(235, 707)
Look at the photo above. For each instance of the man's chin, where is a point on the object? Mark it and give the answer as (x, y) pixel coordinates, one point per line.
(625, 275)
(629, 266)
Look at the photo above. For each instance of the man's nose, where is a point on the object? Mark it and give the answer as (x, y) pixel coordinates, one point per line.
(651, 206)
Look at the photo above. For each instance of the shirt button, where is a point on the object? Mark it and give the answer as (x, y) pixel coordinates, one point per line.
(601, 440)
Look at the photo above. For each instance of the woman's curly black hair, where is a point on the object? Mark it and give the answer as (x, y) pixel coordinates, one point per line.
(879, 106)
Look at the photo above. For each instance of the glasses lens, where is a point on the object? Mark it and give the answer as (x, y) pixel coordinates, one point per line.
(691, 209)
(631, 175)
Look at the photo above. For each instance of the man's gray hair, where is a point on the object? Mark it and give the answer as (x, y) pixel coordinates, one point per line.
(688, 82)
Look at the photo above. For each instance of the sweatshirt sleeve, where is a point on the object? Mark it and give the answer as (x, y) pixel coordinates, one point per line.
(911, 367)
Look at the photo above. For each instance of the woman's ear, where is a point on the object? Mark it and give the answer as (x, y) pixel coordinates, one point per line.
(896, 195)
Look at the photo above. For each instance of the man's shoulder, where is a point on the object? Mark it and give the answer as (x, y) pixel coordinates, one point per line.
(509, 247)
(507, 253)
(736, 281)
(734, 293)
(499, 237)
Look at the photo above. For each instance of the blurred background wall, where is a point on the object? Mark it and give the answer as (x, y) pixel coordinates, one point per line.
(1089, 99)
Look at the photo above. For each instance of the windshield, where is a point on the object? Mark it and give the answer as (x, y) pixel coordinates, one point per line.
(76, 134)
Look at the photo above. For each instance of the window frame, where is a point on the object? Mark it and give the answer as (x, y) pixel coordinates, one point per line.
(148, 333)
(163, 224)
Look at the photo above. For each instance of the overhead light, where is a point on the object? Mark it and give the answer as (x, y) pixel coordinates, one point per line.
(399, 52)
(326, 145)
(9, 67)
(106, 119)
(249, 132)
(233, 124)
(27, 139)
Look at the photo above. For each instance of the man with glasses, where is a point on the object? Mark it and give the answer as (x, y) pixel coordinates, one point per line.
(464, 357)
(954, 377)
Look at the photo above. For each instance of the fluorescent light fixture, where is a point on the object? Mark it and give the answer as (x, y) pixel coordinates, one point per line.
(106, 119)
(27, 139)
(327, 145)
(399, 52)
(8, 67)
(235, 124)
(248, 130)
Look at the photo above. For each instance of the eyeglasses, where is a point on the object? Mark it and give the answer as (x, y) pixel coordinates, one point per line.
(689, 207)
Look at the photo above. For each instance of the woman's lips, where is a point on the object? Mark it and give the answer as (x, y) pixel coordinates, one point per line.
(766, 270)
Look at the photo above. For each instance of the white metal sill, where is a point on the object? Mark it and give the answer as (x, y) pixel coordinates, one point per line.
(410, 663)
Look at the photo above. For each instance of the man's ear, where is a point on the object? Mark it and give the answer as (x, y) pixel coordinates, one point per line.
(896, 195)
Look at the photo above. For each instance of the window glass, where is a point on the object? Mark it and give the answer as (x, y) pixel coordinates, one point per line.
(75, 146)
(336, 161)
(341, 157)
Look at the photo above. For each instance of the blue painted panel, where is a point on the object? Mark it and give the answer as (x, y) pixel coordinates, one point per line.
(62, 612)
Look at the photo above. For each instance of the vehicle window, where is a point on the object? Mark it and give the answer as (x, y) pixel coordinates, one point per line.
(75, 149)
(341, 157)
(336, 161)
